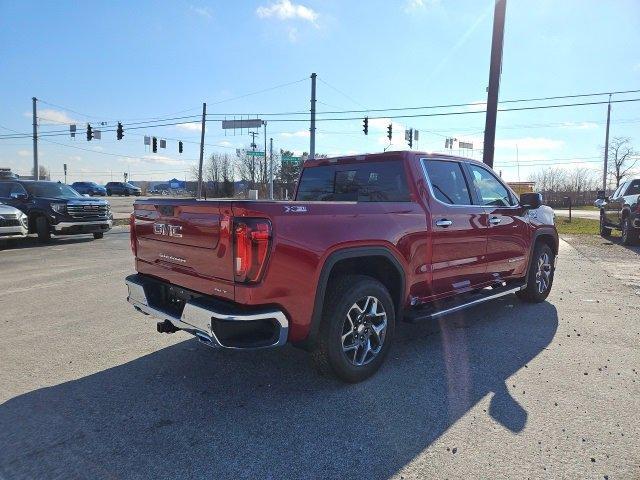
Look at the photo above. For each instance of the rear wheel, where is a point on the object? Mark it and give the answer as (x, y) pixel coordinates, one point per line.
(42, 229)
(356, 330)
(604, 230)
(540, 277)
(108, 193)
(629, 234)
(98, 235)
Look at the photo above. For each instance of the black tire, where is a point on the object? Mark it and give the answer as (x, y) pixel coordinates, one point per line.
(629, 234)
(535, 293)
(108, 193)
(604, 230)
(98, 235)
(42, 229)
(342, 296)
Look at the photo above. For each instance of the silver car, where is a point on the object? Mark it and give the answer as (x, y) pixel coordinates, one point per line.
(13, 222)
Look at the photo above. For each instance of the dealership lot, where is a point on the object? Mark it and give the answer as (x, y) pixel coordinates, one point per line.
(88, 389)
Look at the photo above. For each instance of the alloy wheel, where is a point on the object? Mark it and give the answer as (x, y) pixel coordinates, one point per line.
(364, 330)
(543, 273)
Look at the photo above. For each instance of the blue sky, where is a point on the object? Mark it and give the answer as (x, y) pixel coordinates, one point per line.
(110, 61)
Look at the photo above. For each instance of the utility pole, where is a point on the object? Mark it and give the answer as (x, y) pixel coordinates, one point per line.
(204, 116)
(36, 167)
(253, 158)
(606, 148)
(264, 124)
(495, 70)
(312, 129)
(271, 169)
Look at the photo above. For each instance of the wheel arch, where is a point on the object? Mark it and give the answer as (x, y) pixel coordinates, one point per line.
(377, 262)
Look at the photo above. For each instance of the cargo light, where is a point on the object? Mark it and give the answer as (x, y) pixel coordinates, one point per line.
(252, 239)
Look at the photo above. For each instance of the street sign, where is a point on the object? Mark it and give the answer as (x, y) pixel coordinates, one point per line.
(251, 153)
(465, 145)
(291, 159)
(232, 124)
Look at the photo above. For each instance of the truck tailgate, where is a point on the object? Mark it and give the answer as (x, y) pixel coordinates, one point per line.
(186, 242)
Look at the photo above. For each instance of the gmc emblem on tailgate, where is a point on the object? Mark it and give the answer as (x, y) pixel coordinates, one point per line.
(167, 230)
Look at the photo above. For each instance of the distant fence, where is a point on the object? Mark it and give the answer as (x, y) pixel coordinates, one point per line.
(560, 199)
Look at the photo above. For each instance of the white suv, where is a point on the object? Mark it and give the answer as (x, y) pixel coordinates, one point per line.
(13, 222)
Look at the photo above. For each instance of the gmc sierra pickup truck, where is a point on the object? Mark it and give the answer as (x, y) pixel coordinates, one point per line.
(369, 240)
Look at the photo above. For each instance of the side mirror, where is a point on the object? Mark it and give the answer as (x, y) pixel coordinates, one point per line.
(19, 196)
(531, 200)
(602, 195)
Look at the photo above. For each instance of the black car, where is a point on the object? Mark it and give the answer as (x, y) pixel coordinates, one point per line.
(89, 188)
(56, 208)
(621, 211)
(122, 188)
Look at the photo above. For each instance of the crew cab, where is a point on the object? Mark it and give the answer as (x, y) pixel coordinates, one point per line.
(621, 211)
(56, 208)
(370, 240)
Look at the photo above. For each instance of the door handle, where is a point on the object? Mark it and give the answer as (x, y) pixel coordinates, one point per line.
(495, 220)
(444, 223)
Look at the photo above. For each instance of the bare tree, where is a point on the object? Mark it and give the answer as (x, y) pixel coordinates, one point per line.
(43, 172)
(622, 158)
(549, 179)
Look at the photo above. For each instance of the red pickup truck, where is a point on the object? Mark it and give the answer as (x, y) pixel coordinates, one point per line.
(369, 240)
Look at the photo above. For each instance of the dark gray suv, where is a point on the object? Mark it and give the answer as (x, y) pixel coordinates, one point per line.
(122, 188)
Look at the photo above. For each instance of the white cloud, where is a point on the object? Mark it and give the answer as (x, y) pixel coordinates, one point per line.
(225, 143)
(530, 143)
(579, 125)
(477, 106)
(414, 5)
(286, 10)
(49, 115)
(299, 133)
(292, 33)
(24, 153)
(191, 127)
(204, 12)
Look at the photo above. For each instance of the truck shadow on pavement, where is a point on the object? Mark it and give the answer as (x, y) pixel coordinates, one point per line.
(187, 411)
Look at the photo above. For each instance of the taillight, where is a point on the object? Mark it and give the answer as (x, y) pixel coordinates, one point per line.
(252, 238)
(132, 234)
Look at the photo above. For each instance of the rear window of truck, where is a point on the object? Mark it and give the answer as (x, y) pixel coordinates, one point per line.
(364, 182)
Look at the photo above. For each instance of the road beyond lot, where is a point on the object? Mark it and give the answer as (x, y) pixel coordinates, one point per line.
(88, 389)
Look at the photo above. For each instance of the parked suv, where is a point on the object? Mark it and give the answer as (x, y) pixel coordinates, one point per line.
(621, 211)
(369, 241)
(89, 188)
(56, 208)
(122, 188)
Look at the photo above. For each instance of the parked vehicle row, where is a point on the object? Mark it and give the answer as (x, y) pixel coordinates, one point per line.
(51, 208)
(370, 240)
(621, 211)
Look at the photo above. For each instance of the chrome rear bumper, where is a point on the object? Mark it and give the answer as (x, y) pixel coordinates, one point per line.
(199, 319)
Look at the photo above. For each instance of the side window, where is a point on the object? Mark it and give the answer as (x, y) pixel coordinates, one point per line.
(489, 188)
(634, 188)
(7, 188)
(447, 182)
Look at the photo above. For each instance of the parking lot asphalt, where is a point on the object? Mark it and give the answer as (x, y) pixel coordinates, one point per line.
(88, 389)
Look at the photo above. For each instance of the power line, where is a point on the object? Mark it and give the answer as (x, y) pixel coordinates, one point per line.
(258, 91)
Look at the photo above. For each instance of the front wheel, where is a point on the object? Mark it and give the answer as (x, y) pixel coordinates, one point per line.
(357, 328)
(109, 193)
(604, 230)
(540, 277)
(43, 230)
(629, 235)
(98, 235)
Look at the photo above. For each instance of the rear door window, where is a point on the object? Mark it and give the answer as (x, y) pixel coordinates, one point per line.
(634, 188)
(357, 182)
(447, 182)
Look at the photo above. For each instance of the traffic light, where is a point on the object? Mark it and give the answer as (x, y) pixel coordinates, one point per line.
(154, 145)
(410, 139)
(389, 131)
(365, 125)
(180, 147)
(119, 131)
(89, 133)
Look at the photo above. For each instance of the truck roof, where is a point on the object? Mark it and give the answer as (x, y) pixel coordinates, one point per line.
(393, 155)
